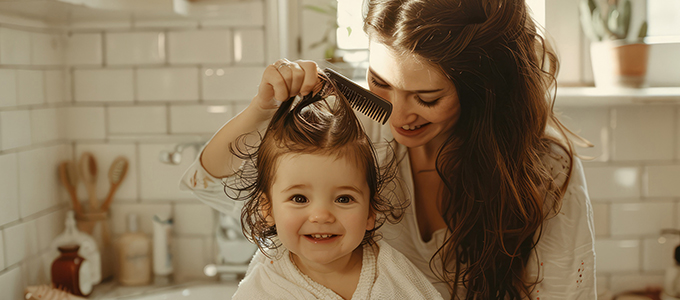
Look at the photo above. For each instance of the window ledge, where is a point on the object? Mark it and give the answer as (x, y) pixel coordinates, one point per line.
(591, 96)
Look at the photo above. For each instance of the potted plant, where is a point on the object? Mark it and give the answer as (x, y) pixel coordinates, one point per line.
(616, 60)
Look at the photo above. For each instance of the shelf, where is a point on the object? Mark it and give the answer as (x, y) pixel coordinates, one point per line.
(591, 96)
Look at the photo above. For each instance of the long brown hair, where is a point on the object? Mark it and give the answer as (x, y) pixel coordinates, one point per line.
(495, 182)
(319, 123)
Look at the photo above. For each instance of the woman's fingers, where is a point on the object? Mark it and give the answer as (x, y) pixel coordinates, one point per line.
(284, 79)
(311, 77)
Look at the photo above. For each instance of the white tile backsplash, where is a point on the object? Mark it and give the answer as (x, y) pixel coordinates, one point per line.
(84, 122)
(607, 182)
(135, 48)
(167, 84)
(39, 167)
(591, 124)
(200, 46)
(658, 256)
(15, 47)
(92, 87)
(636, 128)
(23, 240)
(105, 154)
(198, 118)
(45, 125)
(194, 218)
(622, 255)
(231, 83)
(601, 219)
(55, 86)
(642, 218)
(47, 48)
(49, 227)
(2, 256)
(138, 119)
(249, 13)
(159, 181)
(12, 284)
(663, 181)
(15, 128)
(104, 85)
(31, 89)
(9, 185)
(8, 87)
(249, 46)
(85, 49)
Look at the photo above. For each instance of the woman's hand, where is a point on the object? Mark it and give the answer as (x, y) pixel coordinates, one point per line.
(283, 80)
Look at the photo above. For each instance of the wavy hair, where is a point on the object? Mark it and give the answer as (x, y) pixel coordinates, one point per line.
(320, 123)
(495, 182)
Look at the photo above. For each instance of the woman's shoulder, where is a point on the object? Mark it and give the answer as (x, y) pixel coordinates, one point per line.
(559, 163)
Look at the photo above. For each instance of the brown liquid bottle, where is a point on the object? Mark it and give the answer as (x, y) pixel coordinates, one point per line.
(71, 272)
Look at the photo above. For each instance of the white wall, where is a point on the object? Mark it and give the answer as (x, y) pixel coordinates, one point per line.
(634, 185)
(132, 88)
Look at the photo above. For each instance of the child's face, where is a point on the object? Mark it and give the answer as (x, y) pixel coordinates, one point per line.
(320, 205)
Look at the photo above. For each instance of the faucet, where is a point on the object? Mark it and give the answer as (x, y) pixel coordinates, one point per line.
(235, 251)
(175, 157)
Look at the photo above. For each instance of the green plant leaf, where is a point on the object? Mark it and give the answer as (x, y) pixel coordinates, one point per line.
(585, 14)
(642, 33)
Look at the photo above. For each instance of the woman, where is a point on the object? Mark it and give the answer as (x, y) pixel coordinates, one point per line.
(499, 203)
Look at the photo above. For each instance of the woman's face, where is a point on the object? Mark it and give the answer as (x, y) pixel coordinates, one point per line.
(425, 104)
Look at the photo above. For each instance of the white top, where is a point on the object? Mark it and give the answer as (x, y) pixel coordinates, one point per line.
(564, 260)
(390, 276)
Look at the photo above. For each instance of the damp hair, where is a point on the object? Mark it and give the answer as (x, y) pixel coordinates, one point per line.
(321, 123)
(498, 192)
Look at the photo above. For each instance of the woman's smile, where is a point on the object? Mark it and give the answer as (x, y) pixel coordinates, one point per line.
(425, 104)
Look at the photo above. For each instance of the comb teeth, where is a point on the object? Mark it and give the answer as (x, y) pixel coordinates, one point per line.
(361, 99)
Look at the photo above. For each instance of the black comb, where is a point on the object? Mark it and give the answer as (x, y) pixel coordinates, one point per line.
(360, 98)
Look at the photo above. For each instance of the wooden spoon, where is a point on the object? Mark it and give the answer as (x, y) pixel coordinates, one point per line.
(69, 179)
(88, 172)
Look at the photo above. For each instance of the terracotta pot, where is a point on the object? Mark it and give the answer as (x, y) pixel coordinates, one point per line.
(619, 64)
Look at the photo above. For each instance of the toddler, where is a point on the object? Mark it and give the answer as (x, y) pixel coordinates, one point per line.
(315, 199)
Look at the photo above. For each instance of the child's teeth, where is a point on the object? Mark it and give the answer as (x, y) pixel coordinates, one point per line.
(321, 236)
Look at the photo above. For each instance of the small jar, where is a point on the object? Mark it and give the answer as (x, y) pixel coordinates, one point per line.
(70, 272)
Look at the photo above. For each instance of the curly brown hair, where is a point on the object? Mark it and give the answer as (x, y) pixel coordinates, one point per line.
(319, 123)
(496, 184)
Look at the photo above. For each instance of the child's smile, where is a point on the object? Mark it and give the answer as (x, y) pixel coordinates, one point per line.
(320, 205)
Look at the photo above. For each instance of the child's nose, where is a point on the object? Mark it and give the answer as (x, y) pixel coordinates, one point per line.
(321, 214)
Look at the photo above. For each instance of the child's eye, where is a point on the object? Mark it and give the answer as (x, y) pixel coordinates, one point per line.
(299, 199)
(344, 199)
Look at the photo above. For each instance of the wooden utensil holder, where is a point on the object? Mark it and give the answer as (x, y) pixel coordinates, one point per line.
(97, 224)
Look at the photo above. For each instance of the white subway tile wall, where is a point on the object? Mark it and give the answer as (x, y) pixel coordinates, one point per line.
(137, 88)
(8, 87)
(138, 119)
(135, 48)
(167, 84)
(112, 87)
(633, 183)
(31, 88)
(84, 49)
(9, 185)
